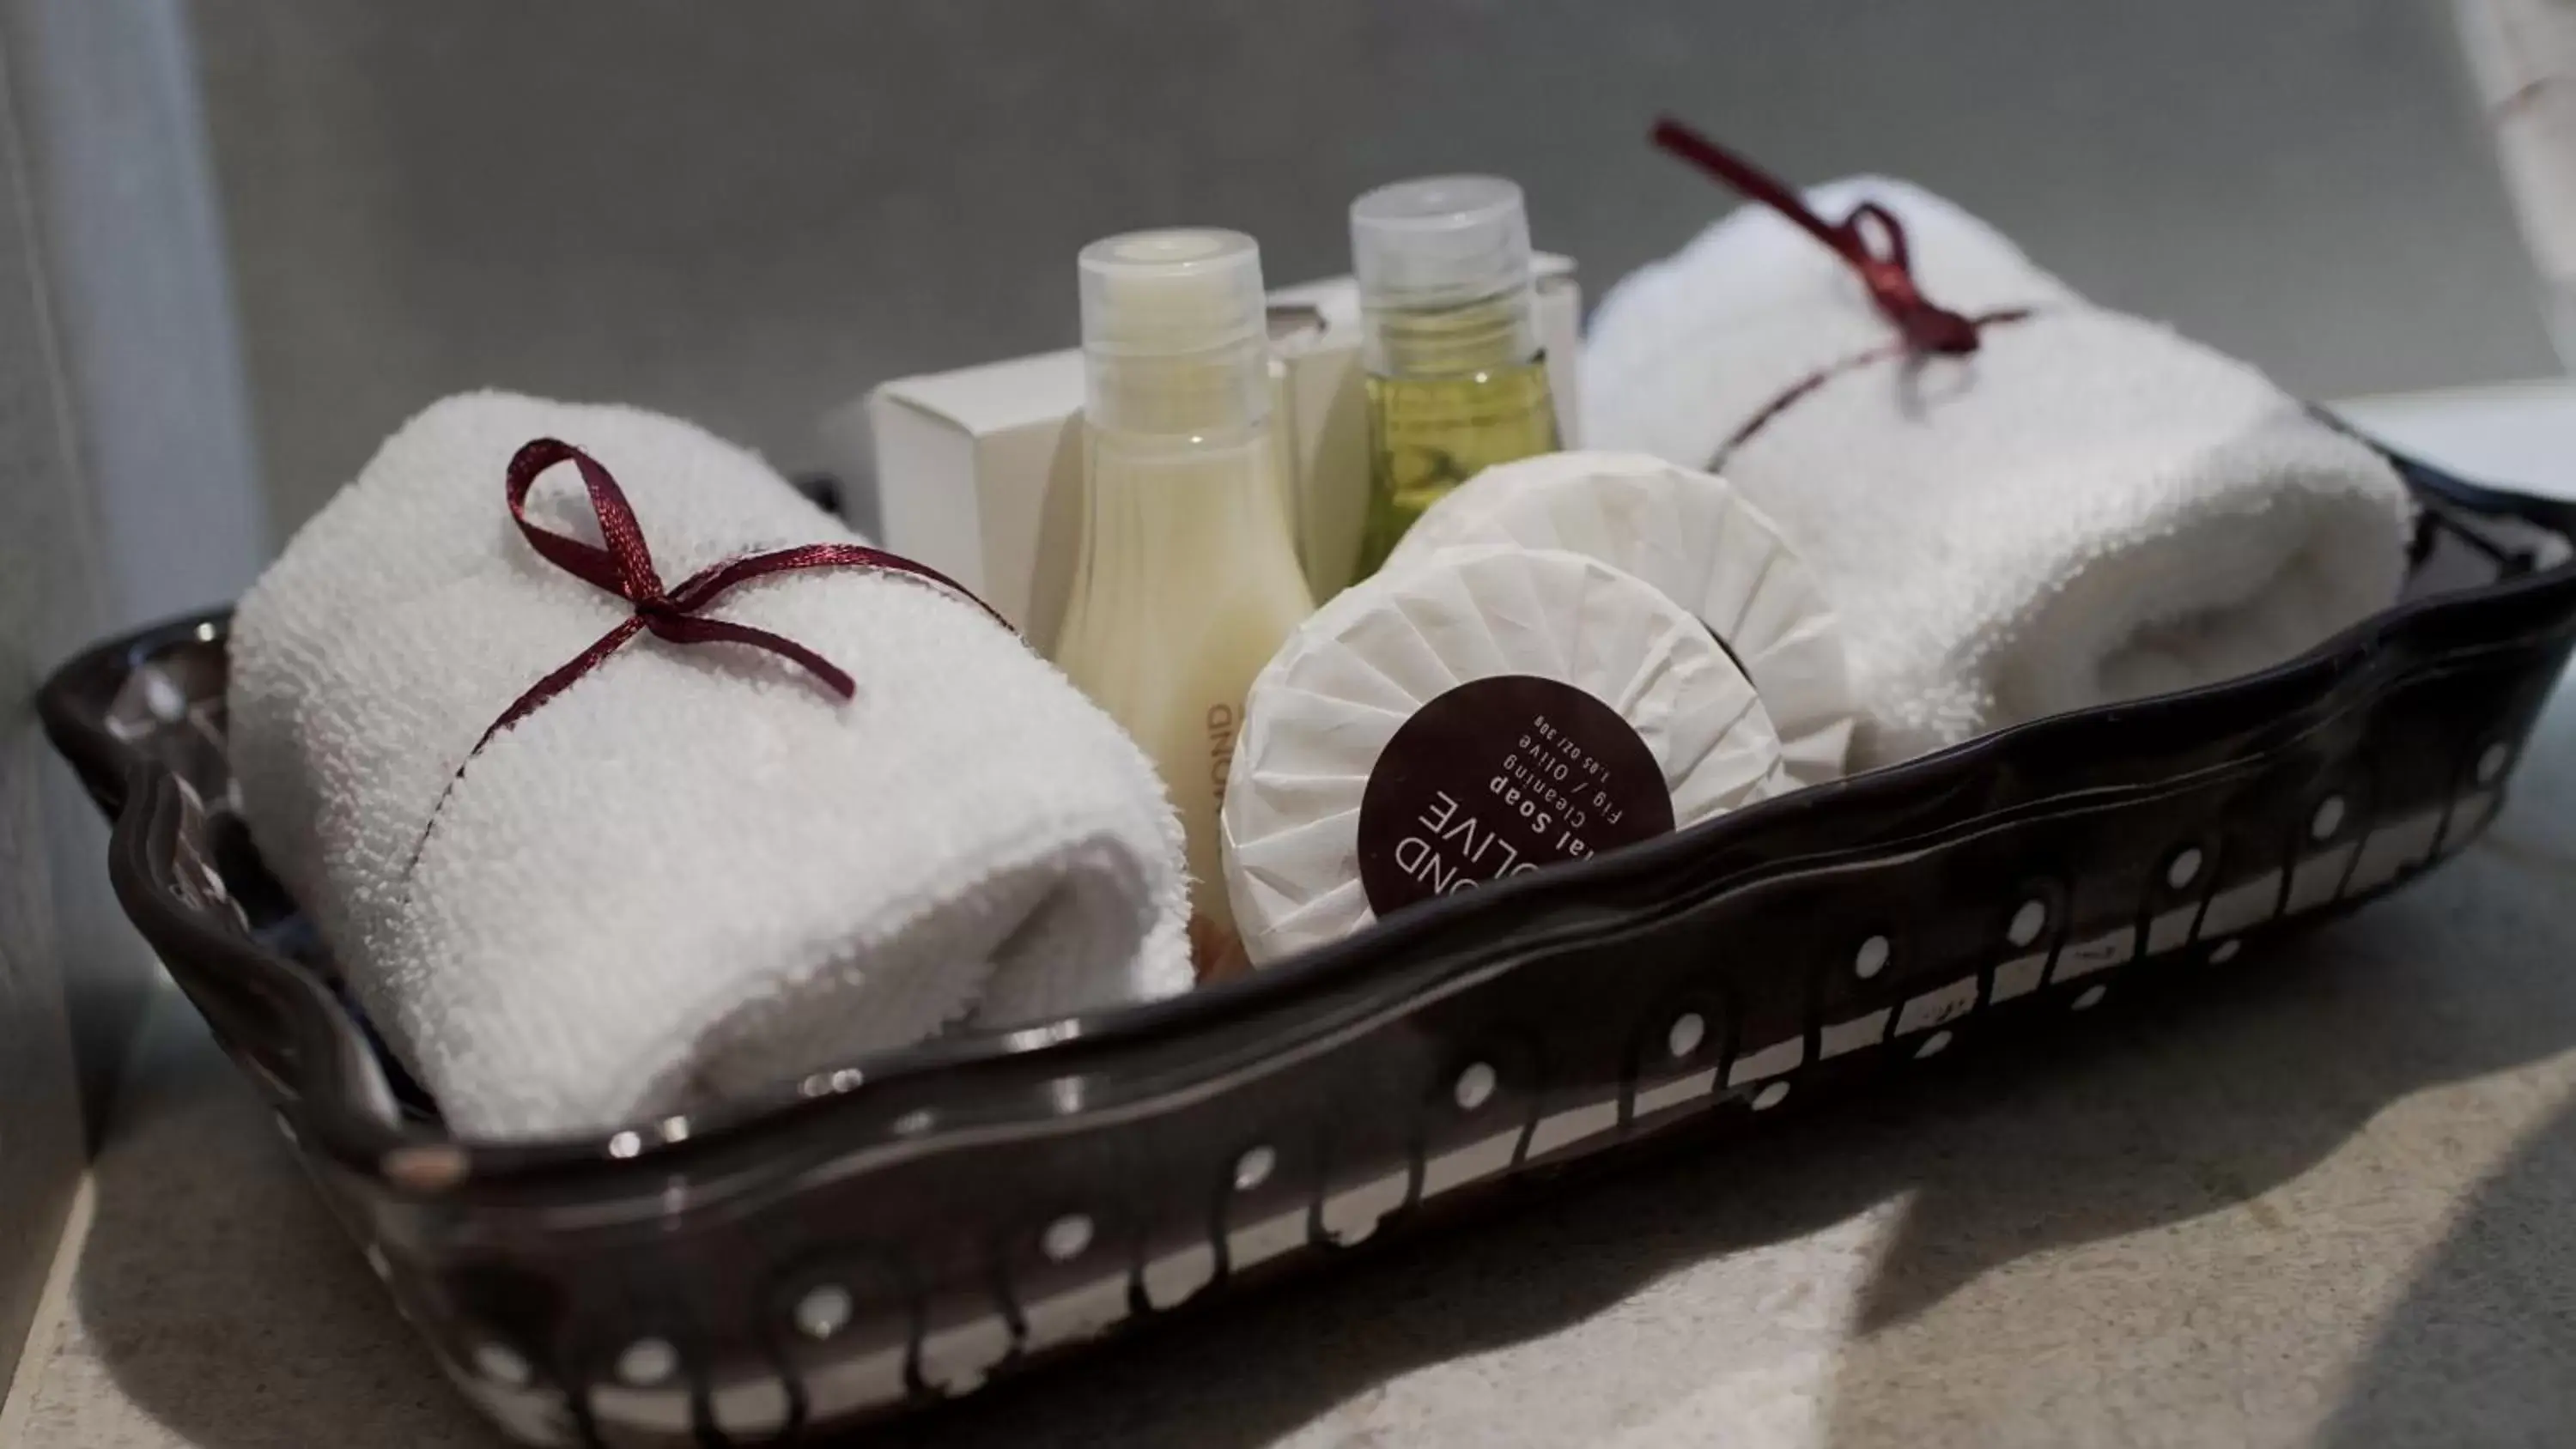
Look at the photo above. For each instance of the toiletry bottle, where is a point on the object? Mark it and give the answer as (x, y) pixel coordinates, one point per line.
(1456, 379)
(1188, 581)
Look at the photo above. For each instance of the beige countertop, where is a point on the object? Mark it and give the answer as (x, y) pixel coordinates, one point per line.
(2323, 1203)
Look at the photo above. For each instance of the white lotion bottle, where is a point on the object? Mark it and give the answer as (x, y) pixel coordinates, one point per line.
(1188, 580)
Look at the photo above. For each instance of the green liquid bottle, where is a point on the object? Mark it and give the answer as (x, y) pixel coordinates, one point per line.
(1456, 380)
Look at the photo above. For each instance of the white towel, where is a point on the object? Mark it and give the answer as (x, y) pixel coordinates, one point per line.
(695, 872)
(2088, 509)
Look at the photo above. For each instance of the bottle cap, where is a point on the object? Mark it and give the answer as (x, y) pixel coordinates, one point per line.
(1175, 332)
(1442, 241)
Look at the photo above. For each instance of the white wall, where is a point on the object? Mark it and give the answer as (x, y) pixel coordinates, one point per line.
(125, 196)
(48, 597)
(127, 493)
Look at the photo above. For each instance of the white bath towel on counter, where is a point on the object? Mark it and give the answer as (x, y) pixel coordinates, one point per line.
(2087, 509)
(694, 872)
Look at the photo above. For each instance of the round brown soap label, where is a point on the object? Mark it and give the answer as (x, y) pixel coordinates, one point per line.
(1501, 776)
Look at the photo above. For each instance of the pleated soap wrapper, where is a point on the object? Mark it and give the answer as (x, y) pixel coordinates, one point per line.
(1693, 537)
(694, 875)
(1484, 712)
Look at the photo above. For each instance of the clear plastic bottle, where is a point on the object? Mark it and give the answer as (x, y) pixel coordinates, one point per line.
(1188, 581)
(1457, 381)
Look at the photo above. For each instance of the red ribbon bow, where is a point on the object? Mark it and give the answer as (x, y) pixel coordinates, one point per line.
(1888, 272)
(625, 568)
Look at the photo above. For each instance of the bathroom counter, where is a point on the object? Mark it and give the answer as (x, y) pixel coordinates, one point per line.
(2319, 1203)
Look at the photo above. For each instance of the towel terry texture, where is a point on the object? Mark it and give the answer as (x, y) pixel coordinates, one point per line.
(2088, 509)
(694, 873)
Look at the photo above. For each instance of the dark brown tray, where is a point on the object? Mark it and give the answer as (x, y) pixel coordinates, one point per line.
(880, 1237)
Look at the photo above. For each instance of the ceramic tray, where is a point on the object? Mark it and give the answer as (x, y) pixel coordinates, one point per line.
(901, 1230)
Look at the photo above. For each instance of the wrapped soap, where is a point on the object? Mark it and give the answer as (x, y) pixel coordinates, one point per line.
(1698, 540)
(1483, 713)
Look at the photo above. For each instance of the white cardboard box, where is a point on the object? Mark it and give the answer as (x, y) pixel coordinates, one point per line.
(979, 471)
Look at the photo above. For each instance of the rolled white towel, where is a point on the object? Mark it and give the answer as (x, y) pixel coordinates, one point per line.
(694, 872)
(2089, 508)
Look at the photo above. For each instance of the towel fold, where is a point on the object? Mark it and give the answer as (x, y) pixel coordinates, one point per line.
(693, 873)
(2087, 509)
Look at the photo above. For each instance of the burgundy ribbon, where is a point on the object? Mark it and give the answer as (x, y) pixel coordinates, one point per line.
(1887, 270)
(625, 568)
